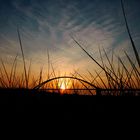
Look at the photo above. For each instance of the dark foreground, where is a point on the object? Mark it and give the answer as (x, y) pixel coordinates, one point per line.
(29, 102)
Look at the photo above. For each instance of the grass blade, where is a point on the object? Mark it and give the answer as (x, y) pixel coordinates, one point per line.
(23, 57)
(131, 39)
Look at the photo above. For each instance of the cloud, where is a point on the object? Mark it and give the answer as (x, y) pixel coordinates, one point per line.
(47, 25)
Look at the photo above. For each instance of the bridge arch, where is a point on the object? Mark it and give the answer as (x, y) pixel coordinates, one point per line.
(64, 77)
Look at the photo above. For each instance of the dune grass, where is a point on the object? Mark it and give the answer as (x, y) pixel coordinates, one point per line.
(120, 78)
(130, 36)
(112, 79)
(117, 80)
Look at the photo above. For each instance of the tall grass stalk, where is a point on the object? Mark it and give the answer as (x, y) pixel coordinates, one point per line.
(128, 30)
(12, 70)
(95, 61)
(48, 56)
(23, 57)
(87, 87)
(5, 71)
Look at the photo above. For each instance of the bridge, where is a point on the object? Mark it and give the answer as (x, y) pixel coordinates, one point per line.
(87, 85)
(88, 88)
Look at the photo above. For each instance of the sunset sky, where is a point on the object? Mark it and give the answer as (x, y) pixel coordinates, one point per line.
(47, 25)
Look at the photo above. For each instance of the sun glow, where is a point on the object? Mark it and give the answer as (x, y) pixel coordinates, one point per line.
(63, 86)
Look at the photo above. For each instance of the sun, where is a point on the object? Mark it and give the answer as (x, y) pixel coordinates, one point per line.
(63, 86)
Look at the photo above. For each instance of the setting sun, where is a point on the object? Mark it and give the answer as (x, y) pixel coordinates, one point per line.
(64, 84)
(63, 87)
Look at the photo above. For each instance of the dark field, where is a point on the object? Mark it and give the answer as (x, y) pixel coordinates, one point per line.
(30, 102)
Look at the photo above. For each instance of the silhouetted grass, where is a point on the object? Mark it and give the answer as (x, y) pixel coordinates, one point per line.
(24, 64)
(130, 36)
(112, 79)
(120, 80)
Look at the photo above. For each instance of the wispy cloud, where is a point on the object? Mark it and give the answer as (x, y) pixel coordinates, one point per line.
(47, 25)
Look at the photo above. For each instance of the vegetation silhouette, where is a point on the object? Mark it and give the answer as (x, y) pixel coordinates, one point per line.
(119, 81)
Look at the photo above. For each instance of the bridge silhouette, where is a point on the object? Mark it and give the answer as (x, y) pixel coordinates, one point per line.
(82, 81)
